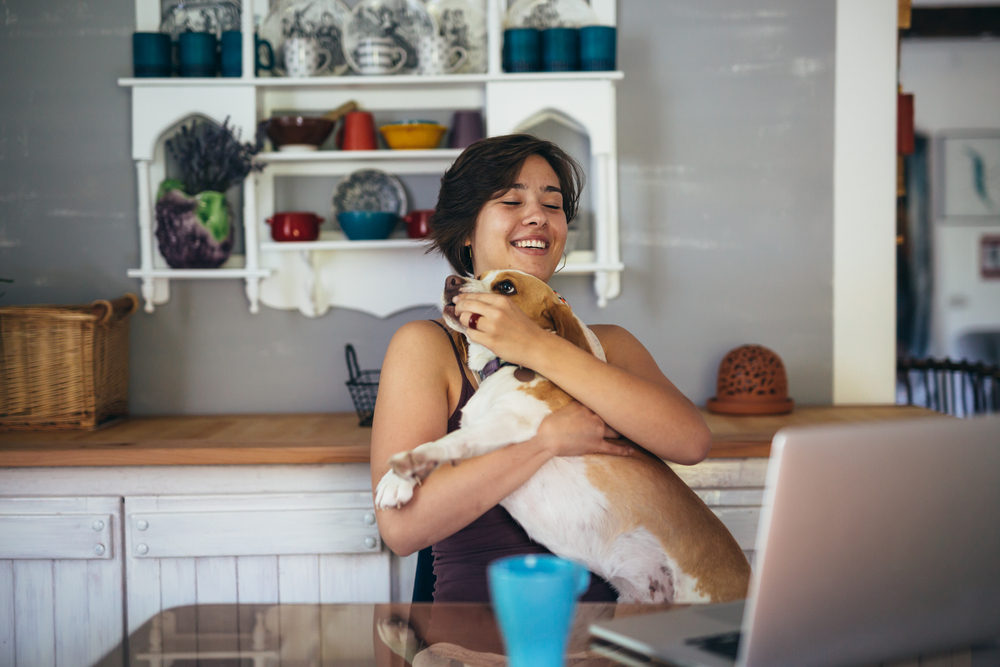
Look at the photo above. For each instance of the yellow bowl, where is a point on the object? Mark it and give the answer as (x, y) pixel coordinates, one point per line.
(413, 135)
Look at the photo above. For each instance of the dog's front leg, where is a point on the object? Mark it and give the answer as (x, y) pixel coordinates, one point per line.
(499, 429)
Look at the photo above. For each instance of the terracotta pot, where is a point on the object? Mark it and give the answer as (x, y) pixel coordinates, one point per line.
(295, 226)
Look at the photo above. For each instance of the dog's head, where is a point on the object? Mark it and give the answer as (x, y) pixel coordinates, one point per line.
(533, 296)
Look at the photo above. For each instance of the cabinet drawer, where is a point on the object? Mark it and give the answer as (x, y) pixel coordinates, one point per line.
(191, 527)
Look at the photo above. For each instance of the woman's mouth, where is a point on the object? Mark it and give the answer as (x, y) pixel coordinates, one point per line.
(535, 244)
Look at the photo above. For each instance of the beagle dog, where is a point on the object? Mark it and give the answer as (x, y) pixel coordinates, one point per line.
(629, 519)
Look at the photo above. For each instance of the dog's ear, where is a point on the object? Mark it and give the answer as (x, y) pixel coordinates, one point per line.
(461, 344)
(568, 326)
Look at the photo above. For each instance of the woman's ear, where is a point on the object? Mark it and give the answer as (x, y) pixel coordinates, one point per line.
(568, 326)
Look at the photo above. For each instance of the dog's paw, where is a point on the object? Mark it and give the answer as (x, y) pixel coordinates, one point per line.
(393, 491)
(399, 637)
(414, 465)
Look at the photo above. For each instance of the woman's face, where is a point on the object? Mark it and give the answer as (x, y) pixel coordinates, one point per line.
(525, 227)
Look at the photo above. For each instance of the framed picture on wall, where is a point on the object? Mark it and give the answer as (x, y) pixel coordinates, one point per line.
(969, 176)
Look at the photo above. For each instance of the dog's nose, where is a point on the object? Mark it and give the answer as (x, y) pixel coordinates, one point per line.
(452, 286)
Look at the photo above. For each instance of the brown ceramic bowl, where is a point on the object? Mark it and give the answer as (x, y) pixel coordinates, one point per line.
(298, 133)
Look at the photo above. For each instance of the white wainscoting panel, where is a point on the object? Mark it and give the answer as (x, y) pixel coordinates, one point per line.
(61, 581)
(252, 548)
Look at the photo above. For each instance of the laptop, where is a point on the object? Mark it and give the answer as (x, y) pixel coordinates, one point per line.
(877, 541)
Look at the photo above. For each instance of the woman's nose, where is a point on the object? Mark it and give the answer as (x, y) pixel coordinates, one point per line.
(535, 214)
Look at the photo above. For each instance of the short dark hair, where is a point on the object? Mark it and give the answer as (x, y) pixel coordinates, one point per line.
(484, 171)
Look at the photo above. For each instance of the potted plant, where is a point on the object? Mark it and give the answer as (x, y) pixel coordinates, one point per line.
(193, 226)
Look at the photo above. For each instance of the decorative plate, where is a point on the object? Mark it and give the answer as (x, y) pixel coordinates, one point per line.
(463, 23)
(544, 14)
(369, 190)
(406, 22)
(322, 19)
(214, 17)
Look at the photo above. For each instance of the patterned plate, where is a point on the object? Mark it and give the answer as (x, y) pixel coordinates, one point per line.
(463, 23)
(406, 22)
(369, 190)
(322, 19)
(544, 14)
(213, 17)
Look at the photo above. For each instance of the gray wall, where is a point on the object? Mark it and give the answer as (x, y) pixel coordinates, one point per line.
(726, 153)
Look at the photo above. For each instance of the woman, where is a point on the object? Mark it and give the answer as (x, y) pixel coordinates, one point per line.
(506, 204)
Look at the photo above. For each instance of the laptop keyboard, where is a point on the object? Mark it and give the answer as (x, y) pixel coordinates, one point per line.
(726, 645)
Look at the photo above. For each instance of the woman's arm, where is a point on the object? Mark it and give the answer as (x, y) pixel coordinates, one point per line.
(418, 389)
(629, 393)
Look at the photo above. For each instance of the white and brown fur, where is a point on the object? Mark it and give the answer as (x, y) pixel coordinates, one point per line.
(629, 519)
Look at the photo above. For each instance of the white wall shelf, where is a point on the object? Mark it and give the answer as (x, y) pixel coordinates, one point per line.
(381, 277)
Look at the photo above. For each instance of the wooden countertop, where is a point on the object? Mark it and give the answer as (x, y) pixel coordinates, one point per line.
(332, 438)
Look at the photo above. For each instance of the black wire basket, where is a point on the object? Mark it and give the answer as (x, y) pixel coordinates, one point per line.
(363, 386)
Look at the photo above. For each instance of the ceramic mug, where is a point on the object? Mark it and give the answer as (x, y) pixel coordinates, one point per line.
(305, 57)
(534, 599)
(437, 56)
(418, 223)
(379, 55)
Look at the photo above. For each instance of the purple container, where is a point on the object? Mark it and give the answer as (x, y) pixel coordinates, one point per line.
(466, 129)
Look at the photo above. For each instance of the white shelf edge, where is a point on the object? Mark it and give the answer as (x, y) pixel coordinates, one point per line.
(364, 81)
(574, 269)
(353, 156)
(341, 244)
(180, 274)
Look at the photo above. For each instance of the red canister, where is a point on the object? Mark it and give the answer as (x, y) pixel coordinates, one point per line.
(295, 226)
(418, 223)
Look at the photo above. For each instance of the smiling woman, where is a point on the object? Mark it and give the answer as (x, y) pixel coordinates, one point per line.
(506, 203)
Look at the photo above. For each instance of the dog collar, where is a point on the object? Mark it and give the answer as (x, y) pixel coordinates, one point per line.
(492, 367)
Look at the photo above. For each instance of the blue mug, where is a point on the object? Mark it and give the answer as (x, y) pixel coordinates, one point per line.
(597, 48)
(198, 54)
(561, 49)
(152, 54)
(522, 50)
(231, 54)
(534, 600)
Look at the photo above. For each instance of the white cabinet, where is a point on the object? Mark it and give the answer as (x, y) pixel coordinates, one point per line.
(377, 277)
(261, 548)
(61, 592)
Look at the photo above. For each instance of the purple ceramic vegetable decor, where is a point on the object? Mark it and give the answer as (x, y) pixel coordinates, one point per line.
(193, 226)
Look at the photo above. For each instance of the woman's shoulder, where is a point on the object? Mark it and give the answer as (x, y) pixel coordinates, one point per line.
(421, 339)
(610, 334)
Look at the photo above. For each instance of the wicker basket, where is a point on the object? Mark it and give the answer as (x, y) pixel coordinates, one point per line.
(64, 367)
(363, 386)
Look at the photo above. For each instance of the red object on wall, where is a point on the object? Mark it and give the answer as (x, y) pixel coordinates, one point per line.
(904, 124)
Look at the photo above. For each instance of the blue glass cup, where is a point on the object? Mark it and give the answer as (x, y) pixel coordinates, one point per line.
(598, 45)
(151, 54)
(534, 600)
(231, 54)
(198, 54)
(561, 49)
(522, 50)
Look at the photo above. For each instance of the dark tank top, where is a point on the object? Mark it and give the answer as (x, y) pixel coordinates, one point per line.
(460, 560)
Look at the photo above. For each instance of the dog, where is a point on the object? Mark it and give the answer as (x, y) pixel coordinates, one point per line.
(629, 519)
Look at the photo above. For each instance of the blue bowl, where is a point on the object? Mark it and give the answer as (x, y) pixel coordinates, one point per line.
(367, 225)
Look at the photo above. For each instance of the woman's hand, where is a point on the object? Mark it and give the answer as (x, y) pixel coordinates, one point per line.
(575, 430)
(502, 327)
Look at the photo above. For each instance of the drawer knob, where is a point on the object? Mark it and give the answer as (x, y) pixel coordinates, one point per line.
(141, 549)
(370, 519)
(142, 524)
(99, 549)
(98, 525)
(370, 542)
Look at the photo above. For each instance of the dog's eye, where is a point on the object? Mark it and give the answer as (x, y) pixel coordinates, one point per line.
(506, 287)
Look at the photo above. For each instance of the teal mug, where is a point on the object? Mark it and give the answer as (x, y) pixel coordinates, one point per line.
(231, 54)
(534, 600)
